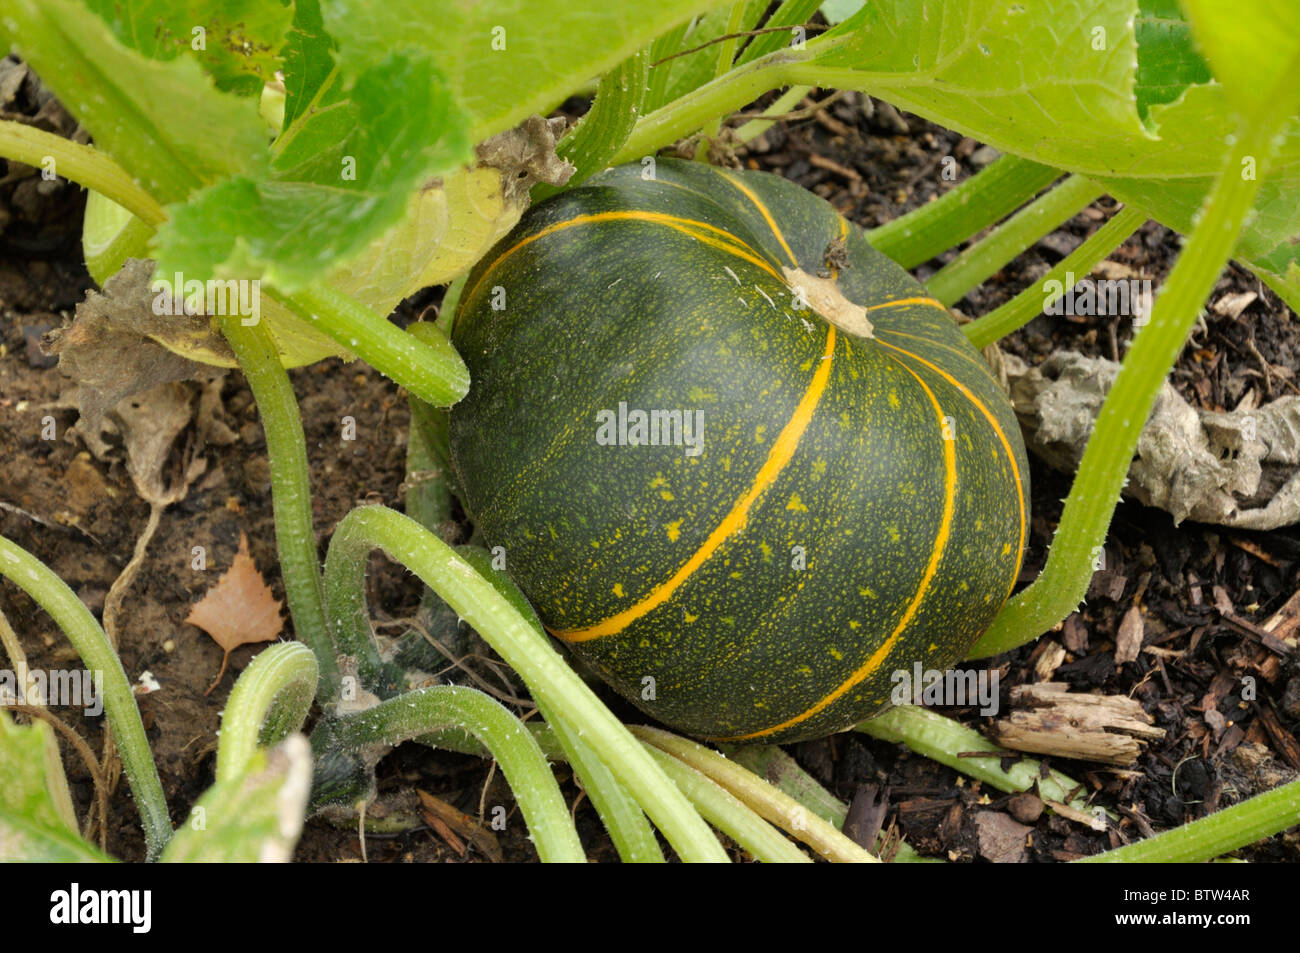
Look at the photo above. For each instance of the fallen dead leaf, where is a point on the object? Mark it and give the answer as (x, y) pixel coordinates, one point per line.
(1128, 641)
(239, 609)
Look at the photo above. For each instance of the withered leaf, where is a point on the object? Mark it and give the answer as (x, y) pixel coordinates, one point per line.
(111, 351)
(239, 609)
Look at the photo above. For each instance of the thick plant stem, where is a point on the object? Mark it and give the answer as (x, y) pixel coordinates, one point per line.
(944, 740)
(729, 815)
(1046, 213)
(772, 804)
(286, 449)
(428, 709)
(500, 623)
(53, 595)
(84, 165)
(623, 818)
(1060, 587)
(1031, 302)
(962, 211)
(1229, 829)
(268, 703)
(429, 368)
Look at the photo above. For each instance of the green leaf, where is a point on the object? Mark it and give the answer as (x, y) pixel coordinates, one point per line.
(345, 176)
(689, 72)
(1249, 43)
(255, 816)
(1167, 60)
(1065, 87)
(505, 59)
(309, 70)
(236, 41)
(31, 826)
(164, 122)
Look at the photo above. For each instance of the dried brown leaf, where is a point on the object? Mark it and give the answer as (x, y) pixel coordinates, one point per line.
(239, 609)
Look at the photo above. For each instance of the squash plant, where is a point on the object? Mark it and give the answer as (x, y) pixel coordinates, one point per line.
(327, 151)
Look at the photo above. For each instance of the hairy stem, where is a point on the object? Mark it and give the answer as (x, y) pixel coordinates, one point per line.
(1229, 829)
(962, 211)
(286, 448)
(513, 637)
(425, 710)
(1048, 212)
(270, 701)
(53, 595)
(84, 165)
(1077, 265)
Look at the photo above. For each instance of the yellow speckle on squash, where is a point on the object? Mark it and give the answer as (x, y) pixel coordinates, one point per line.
(673, 529)
(867, 592)
(687, 617)
(618, 589)
(666, 495)
(836, 654)
(893, 399)
(796, 504)
(854, 624)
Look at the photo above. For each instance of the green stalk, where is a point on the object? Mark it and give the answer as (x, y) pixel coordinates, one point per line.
(429, 369)
(752, 129)
(664, 45)
(1227, 830)
(964, 210)
(1031, 302)
(419, 712)
(607, 125)
(942, 739)
(729, 815)
(773, 805)
(84, 165)
(53, 595)
(1048, 212)
(624, 820)
(697, 108)
(286, 448)
(1061, 586)
(551, 681)
(269, 702)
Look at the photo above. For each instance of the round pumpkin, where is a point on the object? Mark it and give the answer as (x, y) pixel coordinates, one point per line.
(740, 461)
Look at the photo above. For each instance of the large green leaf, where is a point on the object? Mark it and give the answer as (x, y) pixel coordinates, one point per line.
(165, 122)
(1066, 84)
(505, 59)
(236, 41)
(345, 175)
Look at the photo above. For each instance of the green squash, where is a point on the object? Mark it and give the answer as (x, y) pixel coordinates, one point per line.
(738, 460)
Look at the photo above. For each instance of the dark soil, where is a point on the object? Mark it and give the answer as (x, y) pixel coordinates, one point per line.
(81, 516)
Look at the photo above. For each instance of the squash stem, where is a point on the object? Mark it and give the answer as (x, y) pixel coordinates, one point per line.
(964, 210)
(970, 269)
(551, 681)
(419, 712)
(1061, 586)
(1229, 829)
(774, 805)
(945, 740)
(1077, 265)
(430, 369)
(84, 165)
(269, 702)
(53, 595)
(286, 448)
